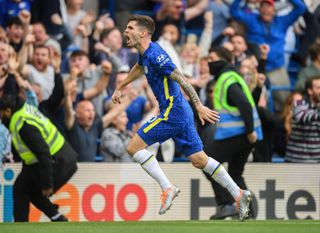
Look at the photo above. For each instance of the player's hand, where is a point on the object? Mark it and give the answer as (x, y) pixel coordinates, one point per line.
(116, 97)
(206, 114)
(252, 137)
(47, 192)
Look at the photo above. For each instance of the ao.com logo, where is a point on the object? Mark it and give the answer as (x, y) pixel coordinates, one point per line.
(96, 202)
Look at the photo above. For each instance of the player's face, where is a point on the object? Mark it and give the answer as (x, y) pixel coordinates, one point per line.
(132, 34)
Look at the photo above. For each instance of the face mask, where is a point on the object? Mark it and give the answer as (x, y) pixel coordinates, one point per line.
(216, 66)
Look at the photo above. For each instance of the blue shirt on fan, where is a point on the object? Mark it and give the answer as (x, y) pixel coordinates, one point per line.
(10, 8)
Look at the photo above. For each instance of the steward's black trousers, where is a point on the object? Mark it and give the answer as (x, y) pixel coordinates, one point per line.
(235, 151)
(27, 188)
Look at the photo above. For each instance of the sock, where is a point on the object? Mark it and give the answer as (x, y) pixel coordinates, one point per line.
(219, 174)
(150, 164)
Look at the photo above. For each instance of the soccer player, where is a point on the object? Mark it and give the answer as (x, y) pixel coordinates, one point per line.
(175, 119)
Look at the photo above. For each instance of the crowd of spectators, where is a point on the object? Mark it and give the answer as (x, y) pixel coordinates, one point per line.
(69, 59)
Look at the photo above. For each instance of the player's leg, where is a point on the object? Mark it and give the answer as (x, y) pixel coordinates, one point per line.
(154, 131)
(216, 171)
(148, 161)
(220, 175)
(189, 141)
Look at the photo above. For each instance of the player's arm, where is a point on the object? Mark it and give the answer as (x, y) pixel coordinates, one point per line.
(186, 86)
(203, 112)
(135, 73)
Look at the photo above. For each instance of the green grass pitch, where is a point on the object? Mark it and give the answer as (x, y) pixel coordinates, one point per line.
(290, 226)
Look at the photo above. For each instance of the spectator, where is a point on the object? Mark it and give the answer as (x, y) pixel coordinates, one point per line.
(311, 32)
(124, 9)
(177, 13)
(13, 8)
(42, 38)
(53, 15)
(263, 150)
(48, 160)
(287, 113)
(87, 77)
(20, 38)
(240, 49)
(304, 140)
(115, 139)
(189, 55)
(311, 70)
(139, 106)
(110, 48)
(15, 33)
(41, 71)
(78, 23)
(270, 29)
(221, 16)
(168, 41)
(5, 52)
(3, 35)
(5, 144)
(85, 126)
(207, 130)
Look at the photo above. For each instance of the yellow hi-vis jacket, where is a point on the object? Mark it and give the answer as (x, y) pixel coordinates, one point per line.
(32, 116)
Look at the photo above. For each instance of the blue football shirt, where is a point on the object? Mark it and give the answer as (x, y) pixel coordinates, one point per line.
(158, 66)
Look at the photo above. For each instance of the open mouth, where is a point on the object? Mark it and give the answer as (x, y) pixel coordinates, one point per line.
(128, 39)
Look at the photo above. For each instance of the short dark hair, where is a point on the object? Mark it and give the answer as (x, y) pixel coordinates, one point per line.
(79, 53)
(39, 23)
(41, 46)
(309, 82)
(314, 51)
(14, 21)
(105, 33)
(143, 21)
(240, 35)
(7, 101)
(223, 53)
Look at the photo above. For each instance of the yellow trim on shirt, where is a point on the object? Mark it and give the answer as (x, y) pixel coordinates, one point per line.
(166, 113)
(153, 124)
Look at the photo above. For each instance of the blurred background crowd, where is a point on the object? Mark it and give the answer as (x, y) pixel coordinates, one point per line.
(67, 56)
